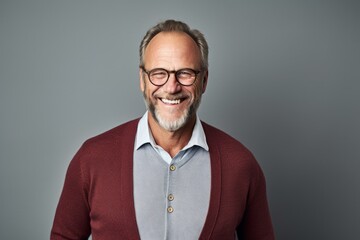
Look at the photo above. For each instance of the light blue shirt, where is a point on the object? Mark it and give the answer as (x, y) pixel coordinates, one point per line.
(171, 195)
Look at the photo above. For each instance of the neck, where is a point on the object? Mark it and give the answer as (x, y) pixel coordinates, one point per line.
(171, 141)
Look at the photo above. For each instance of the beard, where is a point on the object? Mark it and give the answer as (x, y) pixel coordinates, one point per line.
(176, 124)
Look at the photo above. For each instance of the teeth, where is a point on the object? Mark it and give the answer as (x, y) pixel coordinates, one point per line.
(168, 101)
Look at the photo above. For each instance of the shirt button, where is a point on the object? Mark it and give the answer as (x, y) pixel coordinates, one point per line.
(172, 167)
(170, 209)
(170, 197)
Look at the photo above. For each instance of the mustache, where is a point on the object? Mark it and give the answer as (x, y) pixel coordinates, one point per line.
(171, 96)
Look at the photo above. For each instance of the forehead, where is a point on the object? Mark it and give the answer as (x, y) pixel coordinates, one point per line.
(172, 47)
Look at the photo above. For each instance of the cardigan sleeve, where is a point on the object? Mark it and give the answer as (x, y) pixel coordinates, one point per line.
(256, 223)
(72, 219)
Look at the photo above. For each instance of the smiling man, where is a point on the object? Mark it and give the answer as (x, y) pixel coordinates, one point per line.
(167, 175)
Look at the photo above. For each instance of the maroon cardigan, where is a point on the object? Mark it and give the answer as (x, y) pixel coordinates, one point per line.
(97, 197)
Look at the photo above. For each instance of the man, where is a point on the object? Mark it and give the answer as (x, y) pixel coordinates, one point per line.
(167, 175)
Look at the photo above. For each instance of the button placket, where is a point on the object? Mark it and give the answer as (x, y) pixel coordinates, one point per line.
(170, 196)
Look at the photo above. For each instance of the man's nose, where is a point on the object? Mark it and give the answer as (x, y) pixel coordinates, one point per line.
(172, 85)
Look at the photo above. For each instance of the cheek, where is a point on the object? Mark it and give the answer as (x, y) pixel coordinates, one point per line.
(197, 90)
(149, 91)
(145, 91)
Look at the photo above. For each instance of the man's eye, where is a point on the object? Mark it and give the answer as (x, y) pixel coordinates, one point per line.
(184, 74)
(160, 74)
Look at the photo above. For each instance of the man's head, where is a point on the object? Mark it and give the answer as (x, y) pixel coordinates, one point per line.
(173, 96)
(176, 26)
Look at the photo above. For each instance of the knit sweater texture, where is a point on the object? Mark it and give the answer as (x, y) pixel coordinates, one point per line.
(97, 196)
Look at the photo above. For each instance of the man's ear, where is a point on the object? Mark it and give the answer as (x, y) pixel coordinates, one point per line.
(141, 78)
(205, 80)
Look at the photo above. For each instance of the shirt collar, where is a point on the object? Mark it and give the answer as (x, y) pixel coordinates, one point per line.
(144, 135)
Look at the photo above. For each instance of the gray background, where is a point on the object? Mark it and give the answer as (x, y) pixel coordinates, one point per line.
(284, 80)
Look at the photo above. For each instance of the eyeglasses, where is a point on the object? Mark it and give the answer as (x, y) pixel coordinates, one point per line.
(159, 76)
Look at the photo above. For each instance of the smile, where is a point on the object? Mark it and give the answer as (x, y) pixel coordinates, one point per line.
(169, 101)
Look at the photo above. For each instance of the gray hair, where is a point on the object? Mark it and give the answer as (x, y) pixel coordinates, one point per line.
(176, 26)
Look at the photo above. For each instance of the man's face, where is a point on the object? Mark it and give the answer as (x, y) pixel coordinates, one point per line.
(172, 105)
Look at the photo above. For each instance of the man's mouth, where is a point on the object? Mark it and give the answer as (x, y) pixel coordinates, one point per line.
(170, 101)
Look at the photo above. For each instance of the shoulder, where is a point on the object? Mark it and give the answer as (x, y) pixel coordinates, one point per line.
(222, 140)
(108, 144)
(233, 154)
(100, 158)
(122, 133)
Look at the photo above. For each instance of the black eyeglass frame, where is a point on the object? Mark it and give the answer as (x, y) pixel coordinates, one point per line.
(148, 72)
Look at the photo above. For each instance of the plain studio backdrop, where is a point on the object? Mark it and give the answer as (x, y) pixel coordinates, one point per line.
(284, 80)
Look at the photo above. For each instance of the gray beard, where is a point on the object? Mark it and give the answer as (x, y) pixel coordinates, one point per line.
(172, 126)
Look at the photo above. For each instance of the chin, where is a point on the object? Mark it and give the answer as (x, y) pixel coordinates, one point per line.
(171, 125)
